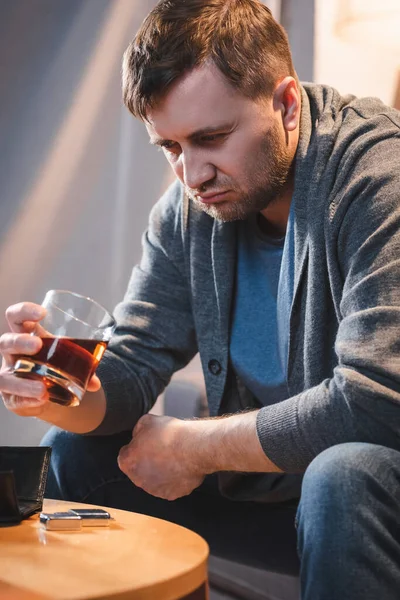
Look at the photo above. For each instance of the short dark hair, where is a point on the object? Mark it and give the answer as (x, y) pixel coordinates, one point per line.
(241, 37)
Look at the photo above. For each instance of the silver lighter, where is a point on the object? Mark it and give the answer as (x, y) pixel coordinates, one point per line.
(92, 517)
(61, 521)
(75, 519)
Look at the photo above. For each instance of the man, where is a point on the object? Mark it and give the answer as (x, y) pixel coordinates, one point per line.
(275, 256)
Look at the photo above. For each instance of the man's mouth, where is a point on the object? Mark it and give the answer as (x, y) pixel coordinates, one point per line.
(211, 197)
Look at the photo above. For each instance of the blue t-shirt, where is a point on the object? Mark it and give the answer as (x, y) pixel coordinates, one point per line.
(263, 298)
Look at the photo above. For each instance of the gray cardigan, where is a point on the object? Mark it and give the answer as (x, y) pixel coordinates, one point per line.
(344, 343)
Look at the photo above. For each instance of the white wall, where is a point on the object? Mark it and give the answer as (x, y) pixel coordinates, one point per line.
(363, 70)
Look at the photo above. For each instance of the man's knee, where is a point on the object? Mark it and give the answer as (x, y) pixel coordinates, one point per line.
(63, 443)
(80, 464)
(343, 484)
(75, 449)
(67, 464)
(347, 514)
(350, 468)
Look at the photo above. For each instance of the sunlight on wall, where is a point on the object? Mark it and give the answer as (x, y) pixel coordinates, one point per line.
(352, 67)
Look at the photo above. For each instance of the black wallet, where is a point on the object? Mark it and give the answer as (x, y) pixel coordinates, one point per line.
(23, 475)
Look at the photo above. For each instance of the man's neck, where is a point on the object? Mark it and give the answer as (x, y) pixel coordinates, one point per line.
(273, 219)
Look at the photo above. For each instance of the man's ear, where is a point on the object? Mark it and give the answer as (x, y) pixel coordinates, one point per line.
(286, 99)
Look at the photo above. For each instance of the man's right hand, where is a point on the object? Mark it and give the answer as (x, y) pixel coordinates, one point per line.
(25, 397)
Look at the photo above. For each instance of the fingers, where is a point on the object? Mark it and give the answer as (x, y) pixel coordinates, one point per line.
(19, 343)
(23, 317)
(94, 384)
(123, 455)
(24, 397)
(12, 344)
(25, 407)
(19, 386)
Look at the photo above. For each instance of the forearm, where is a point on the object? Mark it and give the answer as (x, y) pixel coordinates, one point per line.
(228, 444)
(79, 419)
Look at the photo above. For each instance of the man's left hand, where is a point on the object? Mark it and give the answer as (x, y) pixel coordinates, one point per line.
(156, 461)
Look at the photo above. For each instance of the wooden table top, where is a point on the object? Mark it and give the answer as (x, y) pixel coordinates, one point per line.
(136, 557)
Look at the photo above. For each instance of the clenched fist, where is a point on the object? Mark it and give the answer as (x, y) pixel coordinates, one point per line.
(157, 459)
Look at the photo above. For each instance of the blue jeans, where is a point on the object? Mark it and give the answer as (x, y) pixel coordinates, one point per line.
(348, 519)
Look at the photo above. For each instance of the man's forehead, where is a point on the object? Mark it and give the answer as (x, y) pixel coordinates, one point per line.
(202, 99)
(201, 83)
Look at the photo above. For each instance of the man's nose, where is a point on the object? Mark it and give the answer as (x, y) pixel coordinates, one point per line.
(197, 171)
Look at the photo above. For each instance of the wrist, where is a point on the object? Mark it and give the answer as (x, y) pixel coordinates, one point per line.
(227, 444)
(201, 440)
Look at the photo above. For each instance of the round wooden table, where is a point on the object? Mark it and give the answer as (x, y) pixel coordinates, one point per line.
(136, 557)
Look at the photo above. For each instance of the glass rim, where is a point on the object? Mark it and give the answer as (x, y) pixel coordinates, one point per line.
(81, 296)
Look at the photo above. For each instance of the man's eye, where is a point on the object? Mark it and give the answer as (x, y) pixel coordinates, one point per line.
(168, 145)
(212, 138)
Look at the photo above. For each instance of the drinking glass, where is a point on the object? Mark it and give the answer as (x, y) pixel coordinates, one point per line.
(75, 333)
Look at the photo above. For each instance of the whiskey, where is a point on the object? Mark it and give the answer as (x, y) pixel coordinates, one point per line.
(65, 365)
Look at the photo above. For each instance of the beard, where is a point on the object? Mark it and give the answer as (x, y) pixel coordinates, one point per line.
(268, 177)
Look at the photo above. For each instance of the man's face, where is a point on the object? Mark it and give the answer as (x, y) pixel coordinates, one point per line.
(229, 152)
